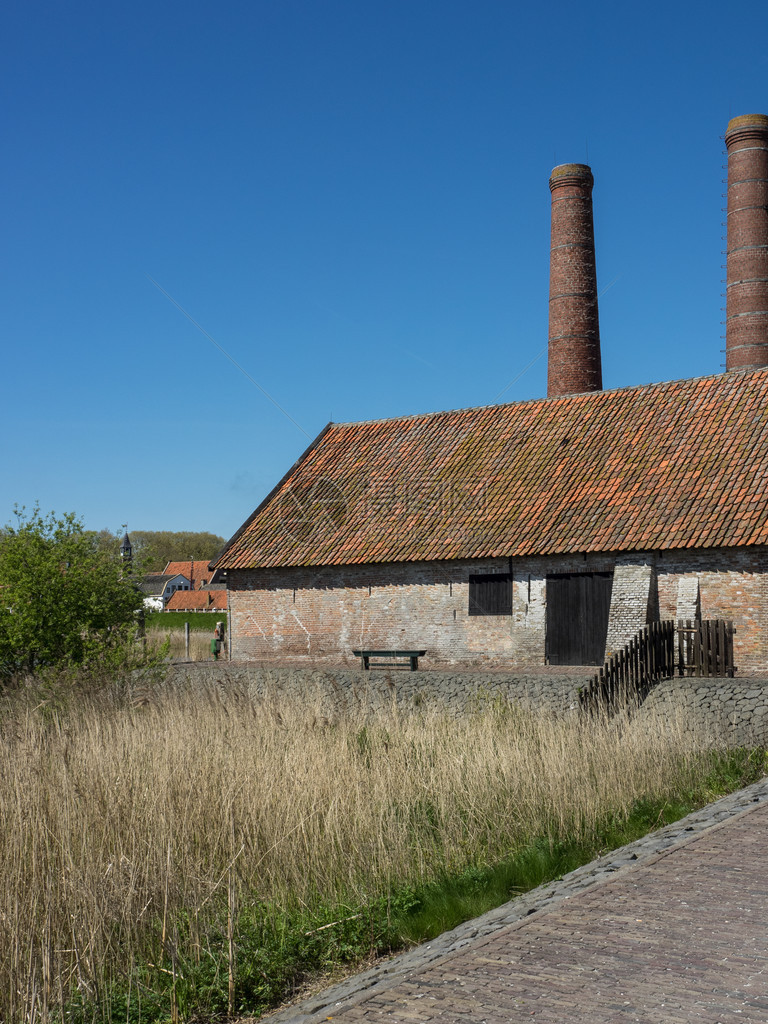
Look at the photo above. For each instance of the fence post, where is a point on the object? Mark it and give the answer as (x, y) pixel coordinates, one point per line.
(729, 633)
(700, 666)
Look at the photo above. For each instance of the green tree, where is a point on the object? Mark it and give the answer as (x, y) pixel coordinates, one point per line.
(153, 550)
(64, 600)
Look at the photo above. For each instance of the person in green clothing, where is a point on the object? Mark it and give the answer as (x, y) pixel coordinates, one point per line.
(215, 648)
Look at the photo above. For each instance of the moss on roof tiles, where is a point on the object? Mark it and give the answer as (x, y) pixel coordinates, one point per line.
(662, 465)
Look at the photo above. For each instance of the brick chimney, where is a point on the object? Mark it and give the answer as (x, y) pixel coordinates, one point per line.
(574, 332)
(746, 320)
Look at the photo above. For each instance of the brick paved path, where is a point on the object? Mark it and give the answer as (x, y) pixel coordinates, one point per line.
(678, 936)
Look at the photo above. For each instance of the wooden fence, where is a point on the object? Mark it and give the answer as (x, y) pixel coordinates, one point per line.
(660, 651)
(705, 648)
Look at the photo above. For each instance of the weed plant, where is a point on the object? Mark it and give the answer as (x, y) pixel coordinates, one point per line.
(180, 853)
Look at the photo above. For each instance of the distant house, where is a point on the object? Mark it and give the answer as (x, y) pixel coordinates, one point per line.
(207, 593)
(197, 571)
(159, 587)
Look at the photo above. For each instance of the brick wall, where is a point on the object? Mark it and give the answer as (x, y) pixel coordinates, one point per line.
(630, 603)
(733, 584)
(321, 615)
(688, 599)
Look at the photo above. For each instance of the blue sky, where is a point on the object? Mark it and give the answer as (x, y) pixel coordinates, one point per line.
(350, 197)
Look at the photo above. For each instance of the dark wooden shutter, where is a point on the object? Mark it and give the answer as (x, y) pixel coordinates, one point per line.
(490, 593)
(578, 605)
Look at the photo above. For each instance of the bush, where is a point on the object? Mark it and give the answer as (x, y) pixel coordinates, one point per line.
(63, 601)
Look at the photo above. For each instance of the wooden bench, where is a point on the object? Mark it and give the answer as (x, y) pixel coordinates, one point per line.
(365, 658)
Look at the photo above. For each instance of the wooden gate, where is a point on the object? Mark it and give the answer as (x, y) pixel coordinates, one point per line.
(577, 617)
(705, 648)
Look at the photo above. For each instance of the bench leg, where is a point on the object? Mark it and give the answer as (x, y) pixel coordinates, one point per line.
(365, 663)
(414, 664)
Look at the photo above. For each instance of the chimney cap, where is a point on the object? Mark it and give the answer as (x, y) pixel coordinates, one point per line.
(746, 125)
(748, 119)
(571, 174)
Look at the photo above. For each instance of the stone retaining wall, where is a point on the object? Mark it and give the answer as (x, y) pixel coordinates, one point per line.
(735, 707)
(334, 688)
(738, 707)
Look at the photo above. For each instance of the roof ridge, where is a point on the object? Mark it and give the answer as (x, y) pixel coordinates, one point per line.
(674, 464)
(724, 375)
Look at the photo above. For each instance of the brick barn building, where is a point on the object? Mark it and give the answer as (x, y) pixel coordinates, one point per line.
(539, 532)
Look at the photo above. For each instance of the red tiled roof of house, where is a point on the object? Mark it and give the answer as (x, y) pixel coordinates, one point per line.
(682, 464)
(197, 600)
(197, 572)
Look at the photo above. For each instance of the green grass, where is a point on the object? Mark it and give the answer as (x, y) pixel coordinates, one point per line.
(440, 906)
(199, 621)
(278, 949)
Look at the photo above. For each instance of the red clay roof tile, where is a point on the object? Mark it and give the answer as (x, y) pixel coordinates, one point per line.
(197, 600)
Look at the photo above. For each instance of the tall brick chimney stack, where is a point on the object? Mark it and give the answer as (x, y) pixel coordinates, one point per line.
(574, 331)
(746, 319)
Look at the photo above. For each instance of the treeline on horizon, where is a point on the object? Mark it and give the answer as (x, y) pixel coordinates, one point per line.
(153, 549)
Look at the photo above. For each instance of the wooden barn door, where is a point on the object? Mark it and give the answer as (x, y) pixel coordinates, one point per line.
(577, 617)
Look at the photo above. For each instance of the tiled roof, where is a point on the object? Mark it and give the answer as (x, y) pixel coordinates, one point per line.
(682, 464)
(197, 571)
(197, 600)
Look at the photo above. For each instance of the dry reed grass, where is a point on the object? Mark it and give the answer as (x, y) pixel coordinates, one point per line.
(120, 810)
(199, 643)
